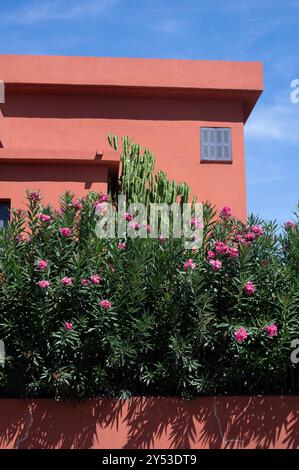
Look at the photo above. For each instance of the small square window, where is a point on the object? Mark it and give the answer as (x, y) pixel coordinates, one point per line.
(215, 144)
(4, 212)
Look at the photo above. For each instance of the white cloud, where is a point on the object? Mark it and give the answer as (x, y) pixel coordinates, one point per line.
(53, 10)
(278, 122)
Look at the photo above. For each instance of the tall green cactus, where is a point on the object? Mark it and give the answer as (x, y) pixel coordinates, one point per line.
(138, 180)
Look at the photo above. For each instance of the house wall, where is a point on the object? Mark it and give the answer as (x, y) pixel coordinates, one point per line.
(169, 126)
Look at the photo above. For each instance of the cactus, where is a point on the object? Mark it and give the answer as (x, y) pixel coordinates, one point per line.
(138, 180)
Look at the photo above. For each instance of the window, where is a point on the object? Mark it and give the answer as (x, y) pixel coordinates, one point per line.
(4, 213)
(215, 144)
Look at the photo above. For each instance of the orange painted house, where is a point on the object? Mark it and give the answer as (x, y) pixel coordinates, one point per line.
(58, 112)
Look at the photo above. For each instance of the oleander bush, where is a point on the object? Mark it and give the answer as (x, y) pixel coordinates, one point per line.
(83, 316)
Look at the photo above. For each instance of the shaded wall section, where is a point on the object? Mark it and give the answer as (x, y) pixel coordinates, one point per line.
(206, 422)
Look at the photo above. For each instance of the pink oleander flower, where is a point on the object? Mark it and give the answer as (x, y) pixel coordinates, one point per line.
(238, 238)
(44, 217)
(225, 212)
(105, 304)
(240, 335)
(161, 239)
(215, 264)
(233, 252)
(257, 230)
(68, 326)
(189, 264)
(211, 254)
(122, 246)
(34, 196)
(65, 232)
(101, 207)
(21, 237)
(66, 281)
(196, 223)
(43, 284)
(290, 224)
(104, 198)
(95, 279)
(76, 204)
(126, 216)
(148, 228)
(135, 225)
(250, 236)
(42, 264)
(84, 282)
(271, 330)
(221, 248)
(249, 288)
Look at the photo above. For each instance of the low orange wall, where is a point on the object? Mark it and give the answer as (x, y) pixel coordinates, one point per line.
(205, 422)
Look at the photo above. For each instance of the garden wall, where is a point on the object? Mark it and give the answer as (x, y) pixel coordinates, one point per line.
(205, 422)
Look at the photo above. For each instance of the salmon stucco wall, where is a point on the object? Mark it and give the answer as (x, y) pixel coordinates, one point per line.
(161, 423)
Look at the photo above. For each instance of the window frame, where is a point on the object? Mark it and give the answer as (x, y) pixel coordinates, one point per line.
(230, 146)
(8, 202)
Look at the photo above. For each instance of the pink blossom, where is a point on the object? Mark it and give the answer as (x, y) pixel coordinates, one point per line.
(34, 196)
(135, 225)
(21, 236)
(250, 236)
(258, 230)
(66, 281)
(68, 326)
(126, 216)
(95, 279)
(225, 212)
(249, 288)
(84, 282)
(105, 304)
(239, 238)
(122, 246)
(271, 330)
(290, 224)
(233, 252)
(189, 264)
(65, 232)
(44, 217)
(104, 197)
(196, 223)
(100, 207)
(42, 264)
(240, 335)
(43, 284)
(161, 239)
(76, 204)
(211, 254)
(221, 248)
(215, 264)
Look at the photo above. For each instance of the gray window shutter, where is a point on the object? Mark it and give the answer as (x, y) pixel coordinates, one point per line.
(215, 144)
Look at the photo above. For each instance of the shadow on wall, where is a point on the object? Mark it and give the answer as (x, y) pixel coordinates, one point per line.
(206, 422)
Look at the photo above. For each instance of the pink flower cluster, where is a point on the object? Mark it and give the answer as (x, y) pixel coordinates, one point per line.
(215, 264)
(189, 264)
(225, 213)
(240, 335)
(76, 204)
(128, 217)
(290, 225)
(65, 232)
(196, 223)
(68, 326)
(249, 288)
(34, 196)
(104, 198)
(122, 246)
(43, 284)
(135, 226)
(105, 304)
(44, 217)
(249, 235)
(271, 330)
(42, 264)
(66, 281)
(95, 279)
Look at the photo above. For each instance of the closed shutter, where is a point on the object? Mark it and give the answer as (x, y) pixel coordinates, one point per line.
(215, 144)
(4, 213)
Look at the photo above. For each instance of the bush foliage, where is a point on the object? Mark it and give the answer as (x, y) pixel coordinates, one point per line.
(82, 316)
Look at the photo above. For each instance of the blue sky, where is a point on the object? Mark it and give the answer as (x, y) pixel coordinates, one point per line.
(264, 30)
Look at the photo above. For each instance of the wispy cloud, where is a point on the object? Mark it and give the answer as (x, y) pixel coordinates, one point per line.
(36, 12)
(276, 123)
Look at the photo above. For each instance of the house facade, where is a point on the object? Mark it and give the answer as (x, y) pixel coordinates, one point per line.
(58, 112)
